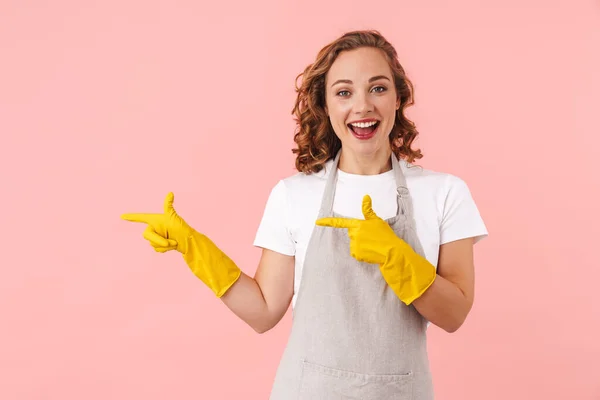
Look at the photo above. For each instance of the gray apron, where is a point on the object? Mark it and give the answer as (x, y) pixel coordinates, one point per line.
(351, 336)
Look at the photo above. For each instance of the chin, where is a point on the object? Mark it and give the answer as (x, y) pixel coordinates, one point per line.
(364, 149)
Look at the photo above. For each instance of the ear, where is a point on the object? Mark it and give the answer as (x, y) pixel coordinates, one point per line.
(397, 104)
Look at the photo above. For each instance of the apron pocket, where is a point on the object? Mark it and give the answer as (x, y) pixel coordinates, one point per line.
(325, 383)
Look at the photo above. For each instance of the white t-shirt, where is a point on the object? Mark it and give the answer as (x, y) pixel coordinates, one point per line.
(444, 210)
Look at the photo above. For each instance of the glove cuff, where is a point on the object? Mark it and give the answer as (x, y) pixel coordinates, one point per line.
(211, 265)
(407, 273)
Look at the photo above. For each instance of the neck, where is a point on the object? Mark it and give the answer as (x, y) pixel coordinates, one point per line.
(366, 164)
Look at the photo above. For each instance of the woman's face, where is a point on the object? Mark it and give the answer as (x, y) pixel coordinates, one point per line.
(361, 101)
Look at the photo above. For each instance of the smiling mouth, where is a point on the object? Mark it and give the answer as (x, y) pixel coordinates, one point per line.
(364, 130)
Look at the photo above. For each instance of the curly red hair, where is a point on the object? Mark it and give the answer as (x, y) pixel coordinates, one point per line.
(316, 141)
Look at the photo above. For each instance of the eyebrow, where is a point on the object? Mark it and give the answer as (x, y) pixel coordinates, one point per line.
(375, 78)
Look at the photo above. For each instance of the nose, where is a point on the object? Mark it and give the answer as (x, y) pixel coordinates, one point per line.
(362, 104)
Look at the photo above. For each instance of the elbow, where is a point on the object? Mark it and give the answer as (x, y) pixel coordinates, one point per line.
(451, 328)
(457, 320)
(260, 329)
(266, 322)
(264, 326)
(454, 324)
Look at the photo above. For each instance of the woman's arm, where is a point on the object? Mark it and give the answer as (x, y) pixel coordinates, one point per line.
(262, 301)
(449, 299)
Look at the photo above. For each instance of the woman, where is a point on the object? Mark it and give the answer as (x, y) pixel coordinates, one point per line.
(366, 246)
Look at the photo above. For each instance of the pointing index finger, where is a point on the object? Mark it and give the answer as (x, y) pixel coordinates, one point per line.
(138, 217)
(338, 222)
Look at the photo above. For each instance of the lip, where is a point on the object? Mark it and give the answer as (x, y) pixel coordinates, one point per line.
(364, 137)
(363, 120)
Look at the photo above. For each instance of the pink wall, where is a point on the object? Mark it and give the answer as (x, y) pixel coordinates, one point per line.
(107, 106)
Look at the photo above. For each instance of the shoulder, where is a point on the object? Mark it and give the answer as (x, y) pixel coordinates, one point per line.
(295, 194)
(433, 182)
(456, 211)
(301, 182)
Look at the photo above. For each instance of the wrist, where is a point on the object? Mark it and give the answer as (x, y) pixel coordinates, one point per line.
(396, 252)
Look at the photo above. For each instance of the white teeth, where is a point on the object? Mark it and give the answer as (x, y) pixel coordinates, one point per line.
(364, 124)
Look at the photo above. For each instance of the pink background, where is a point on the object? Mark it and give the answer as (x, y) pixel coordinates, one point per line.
(107, 106)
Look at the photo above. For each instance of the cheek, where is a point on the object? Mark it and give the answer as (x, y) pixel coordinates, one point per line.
(387, 107)
(338, 115)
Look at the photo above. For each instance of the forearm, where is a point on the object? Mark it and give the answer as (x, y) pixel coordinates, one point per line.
(245, 299)
(444, 304)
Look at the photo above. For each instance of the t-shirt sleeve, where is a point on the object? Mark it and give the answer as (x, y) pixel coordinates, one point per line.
(461, 218)
(273, 231)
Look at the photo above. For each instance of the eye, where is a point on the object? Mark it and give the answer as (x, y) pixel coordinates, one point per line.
(343, 93)
(379, 89)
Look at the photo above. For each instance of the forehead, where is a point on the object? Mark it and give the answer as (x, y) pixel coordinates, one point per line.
(359, 65)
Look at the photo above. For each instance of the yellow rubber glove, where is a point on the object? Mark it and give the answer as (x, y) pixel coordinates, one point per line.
(372, 240)
(168, 231)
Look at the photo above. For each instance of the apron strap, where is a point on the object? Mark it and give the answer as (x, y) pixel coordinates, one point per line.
(329, 193)
(404, 200)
